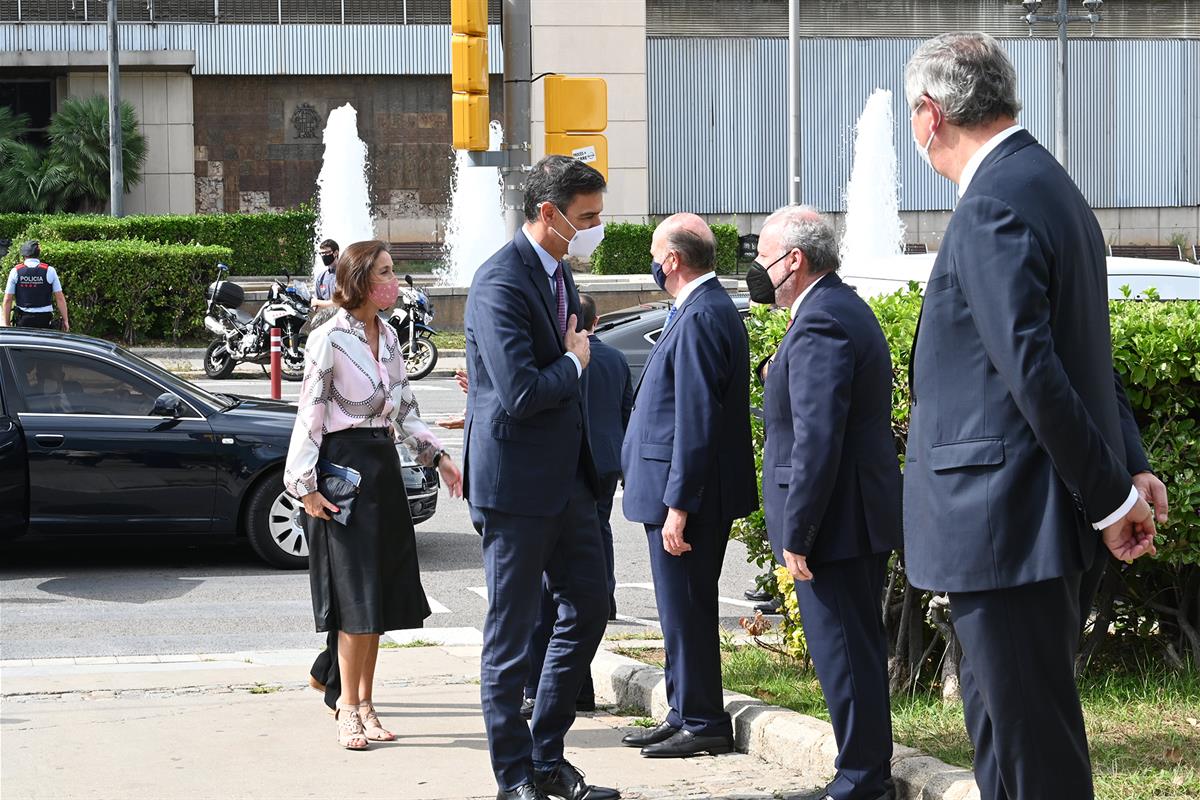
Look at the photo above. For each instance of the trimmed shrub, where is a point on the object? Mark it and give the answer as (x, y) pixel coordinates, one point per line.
(626, 249)
(13, 225)
(260, 244)
(133, 289)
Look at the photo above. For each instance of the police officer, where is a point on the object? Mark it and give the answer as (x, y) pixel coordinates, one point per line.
(31, 286)
(324, 284)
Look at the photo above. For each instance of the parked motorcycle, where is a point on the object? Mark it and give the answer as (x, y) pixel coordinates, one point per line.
(242, 338)
(411, 318)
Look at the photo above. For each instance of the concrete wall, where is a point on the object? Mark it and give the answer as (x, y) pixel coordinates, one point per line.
(163, 104)
(606, 39)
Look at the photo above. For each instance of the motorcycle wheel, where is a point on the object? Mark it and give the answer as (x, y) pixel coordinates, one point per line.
(218, 363)
(420, 357)
(292, 370)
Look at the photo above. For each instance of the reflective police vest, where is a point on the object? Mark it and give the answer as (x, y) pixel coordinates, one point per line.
(33, 286)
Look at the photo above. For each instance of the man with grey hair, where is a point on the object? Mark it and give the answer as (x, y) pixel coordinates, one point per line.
(689, 473)
(831, 484)
(1017, 457)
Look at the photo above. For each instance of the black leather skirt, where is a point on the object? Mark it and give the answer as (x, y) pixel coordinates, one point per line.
(364, 576)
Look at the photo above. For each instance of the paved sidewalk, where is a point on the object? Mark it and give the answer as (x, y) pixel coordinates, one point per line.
(246, 725)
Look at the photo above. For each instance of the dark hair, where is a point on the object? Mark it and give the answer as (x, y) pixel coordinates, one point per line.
(331, 244)
(587, 310)
(31, 249)
(354, 268)
(558, 180)
(698, 253)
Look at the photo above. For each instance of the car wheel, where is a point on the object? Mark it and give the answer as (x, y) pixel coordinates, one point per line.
(217, 361)
(273, 525)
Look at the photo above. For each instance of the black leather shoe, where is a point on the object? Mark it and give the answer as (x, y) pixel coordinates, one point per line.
(650, 736)
(757, 595)
(889, 793)
(771, 606)
(686, 743)
(567, 783)
(526, 791)
(527, 708)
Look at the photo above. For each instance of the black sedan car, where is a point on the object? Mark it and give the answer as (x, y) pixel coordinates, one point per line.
(95, 439)
(634, 330)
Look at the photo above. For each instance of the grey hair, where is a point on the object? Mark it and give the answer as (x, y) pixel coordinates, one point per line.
(967, 74)
(805, 229)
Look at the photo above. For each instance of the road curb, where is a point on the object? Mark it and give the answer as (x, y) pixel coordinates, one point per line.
(796, 742)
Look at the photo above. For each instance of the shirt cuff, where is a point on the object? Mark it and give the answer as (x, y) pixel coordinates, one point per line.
(1120, 512)
(578, 365)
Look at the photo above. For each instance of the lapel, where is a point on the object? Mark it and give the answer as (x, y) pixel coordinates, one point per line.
(541, 283)
(660, 345)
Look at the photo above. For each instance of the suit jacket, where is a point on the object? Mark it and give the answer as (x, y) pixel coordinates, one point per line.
(526, 430)
(831, 477)
(1015, 443)
(608, 393)
(688, 443)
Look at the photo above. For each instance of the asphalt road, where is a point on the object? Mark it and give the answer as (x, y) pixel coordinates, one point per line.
(82, 596)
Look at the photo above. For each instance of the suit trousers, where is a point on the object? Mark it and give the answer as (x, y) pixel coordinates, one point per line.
(549, 611)
(685, 588)
(518, 551)
(841, 611)
(1019, 694)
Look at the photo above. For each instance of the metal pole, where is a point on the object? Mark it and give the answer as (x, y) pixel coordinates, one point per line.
(793, 131)
(1060, 87)
(518, 65)
(116, 165)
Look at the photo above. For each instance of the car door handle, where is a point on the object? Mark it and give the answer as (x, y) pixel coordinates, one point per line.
(49, 439)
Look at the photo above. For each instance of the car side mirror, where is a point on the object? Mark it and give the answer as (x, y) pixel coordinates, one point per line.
(168, 405)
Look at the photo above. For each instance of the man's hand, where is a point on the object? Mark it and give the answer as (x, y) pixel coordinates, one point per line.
(460, 375)
(672, 532)
(797, 565)
(578, 343)
(1132, 536)
(451, 476)
(1154, 492)
(66, 326)
(452, 423)
(315, 505)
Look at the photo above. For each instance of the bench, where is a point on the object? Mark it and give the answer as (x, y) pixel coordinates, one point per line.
(415, 251)
(1162, 252)
(915, 249)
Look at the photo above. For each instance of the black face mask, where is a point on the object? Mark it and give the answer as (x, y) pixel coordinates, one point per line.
(328, 259)
(758, 281)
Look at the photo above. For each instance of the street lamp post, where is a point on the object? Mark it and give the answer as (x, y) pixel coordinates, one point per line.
(1062, 19)
(116, 171)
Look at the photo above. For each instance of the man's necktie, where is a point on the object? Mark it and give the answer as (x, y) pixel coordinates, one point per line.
(560, 289)
(670, 316)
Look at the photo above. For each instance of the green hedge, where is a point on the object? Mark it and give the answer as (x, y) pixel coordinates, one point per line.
(131, 288)
(13, 225)
(1156, 348)
(626, 249)
(260, 244)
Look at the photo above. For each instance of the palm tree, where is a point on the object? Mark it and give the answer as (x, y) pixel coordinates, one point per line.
(29, 181)
(79, 145)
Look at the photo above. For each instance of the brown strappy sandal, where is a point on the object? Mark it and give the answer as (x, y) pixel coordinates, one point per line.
(350, 731)
(371, 725)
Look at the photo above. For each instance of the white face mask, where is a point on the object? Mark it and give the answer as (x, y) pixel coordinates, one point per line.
(923, 149)
(584, 242)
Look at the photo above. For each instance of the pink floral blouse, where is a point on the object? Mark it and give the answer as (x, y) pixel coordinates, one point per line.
(345, 387)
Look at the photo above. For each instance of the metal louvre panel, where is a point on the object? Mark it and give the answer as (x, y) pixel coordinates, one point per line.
(717, 125)
(904, 18)
(721, 103)
(269, 49)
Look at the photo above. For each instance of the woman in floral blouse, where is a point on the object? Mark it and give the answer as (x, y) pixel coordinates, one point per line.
(355, 405)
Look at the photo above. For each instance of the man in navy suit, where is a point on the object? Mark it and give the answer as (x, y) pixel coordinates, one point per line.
(1016, 460)
(531, 481)
(608, 394)
(831, 484)
(689, 473)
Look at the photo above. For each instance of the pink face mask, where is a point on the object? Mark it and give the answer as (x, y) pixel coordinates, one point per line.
(384, 294)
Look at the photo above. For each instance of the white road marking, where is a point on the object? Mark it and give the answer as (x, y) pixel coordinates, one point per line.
(479, 590)
(435, 606)
(443, 636)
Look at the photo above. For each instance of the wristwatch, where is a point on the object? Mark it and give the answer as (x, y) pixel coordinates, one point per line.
(437, 458)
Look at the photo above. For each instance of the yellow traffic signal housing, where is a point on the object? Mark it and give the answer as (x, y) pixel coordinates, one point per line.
(468, 17)
(469, 64)
(590, 148)
(576, 105)
(470, 121)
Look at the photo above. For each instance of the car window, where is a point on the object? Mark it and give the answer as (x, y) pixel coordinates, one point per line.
(56, 382)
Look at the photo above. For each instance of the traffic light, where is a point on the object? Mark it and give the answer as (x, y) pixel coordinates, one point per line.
(576, 115)
(469, 74)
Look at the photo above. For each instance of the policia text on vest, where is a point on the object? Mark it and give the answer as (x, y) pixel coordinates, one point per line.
(31, 287)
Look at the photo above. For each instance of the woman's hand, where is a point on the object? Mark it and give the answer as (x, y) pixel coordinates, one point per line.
(315, 505)
(451, 476)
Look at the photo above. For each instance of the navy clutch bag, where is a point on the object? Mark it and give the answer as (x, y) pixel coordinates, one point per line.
(340, 486)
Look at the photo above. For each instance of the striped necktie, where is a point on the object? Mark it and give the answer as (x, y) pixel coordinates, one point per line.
(560, 289)
(670, 316)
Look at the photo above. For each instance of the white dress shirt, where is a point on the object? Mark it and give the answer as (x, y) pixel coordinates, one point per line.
(807, 289)
(550, 264)
(690, 287)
